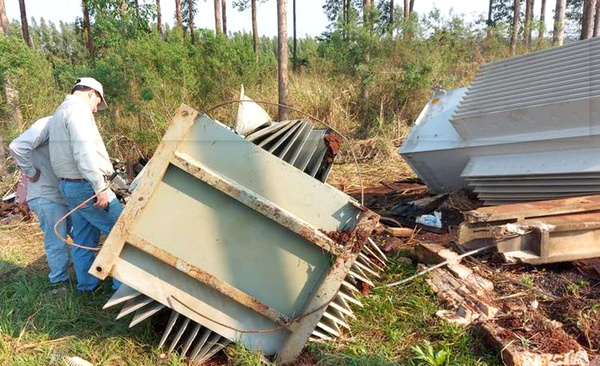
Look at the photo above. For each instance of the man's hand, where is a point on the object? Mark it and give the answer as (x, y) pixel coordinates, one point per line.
(102, 200)
(36, 176)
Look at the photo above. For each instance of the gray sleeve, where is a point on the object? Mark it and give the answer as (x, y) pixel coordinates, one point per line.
(82, 129)
(22, 146)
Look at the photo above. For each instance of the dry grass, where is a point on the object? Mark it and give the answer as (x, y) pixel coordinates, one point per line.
(378, 160)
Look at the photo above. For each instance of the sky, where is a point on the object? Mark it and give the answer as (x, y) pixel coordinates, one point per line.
(309, 13)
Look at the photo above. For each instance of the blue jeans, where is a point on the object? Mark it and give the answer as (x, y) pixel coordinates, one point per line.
(57, 251)
(88, 223)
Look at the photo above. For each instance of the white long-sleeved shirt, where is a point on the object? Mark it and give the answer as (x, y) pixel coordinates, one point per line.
(30, 151)
(76, 147)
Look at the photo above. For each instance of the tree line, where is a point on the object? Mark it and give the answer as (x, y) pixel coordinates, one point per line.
(381, 55)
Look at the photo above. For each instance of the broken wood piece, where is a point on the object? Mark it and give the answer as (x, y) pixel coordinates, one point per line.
(401, 232)
(520, 211)
(514, 354)
(435, 253)
(464, 306)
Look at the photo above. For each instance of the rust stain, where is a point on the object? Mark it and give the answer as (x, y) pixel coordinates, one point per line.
(356, 238)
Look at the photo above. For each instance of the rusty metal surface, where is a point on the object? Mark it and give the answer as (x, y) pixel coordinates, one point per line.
(330, 286)
(238, 236)
(519, 211)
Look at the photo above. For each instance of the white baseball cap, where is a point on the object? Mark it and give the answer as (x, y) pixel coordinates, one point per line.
(94, 84)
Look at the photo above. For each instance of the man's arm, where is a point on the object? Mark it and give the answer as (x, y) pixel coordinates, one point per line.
(22, 146)
(84, 139)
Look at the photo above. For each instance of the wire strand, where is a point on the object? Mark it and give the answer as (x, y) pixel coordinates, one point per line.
(81, 205)
(451, 260)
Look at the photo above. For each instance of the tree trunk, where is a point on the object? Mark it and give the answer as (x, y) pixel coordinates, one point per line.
(559, 23)
(347, 7)
(254, 31)
(218, 20)
(224, 14)
(528, 20)
(367, 15)
(158, 17)
(597, 20)
(3, 20)
(191, 20)
(406, 9)
(515, 31)
(24, 24)
(411, 6)
(87, 32)
(587, 22)
(2, 160)
(542, 25)
(346, 14)
(295, 49)
(282, 58)
(178, 13)
(391, 13)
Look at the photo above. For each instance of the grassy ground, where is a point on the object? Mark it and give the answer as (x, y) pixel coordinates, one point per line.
(40, 324)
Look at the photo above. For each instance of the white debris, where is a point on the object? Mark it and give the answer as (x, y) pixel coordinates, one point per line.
(434, 220)
(250, 116)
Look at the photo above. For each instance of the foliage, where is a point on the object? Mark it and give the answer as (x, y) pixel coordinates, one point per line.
(242, 5)
(384, 77)
(428, 356)
(574, 17)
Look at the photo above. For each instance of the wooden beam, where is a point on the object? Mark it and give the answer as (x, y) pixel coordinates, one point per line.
(520, 211)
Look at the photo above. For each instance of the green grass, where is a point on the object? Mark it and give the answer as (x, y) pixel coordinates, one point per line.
(40, 324)
(398, 326)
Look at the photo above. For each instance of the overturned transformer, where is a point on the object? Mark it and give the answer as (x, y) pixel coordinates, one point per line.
(527, 129)
(238, 243)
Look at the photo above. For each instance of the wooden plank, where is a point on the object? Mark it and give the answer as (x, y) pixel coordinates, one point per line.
(256, 202)
(155, 170)
(207, 279)
(401, 232)
(520, 211)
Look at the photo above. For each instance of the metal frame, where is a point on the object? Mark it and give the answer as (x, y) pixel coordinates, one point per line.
(123, 239)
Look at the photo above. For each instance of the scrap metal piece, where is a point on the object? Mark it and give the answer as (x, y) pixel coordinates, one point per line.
(179, 333)
(190, 339)
(550, 239)
(519, 133)
(122, 294)
(212, 181)
(145, 312)
(206, 334)
(170, 325)
(133, 305)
